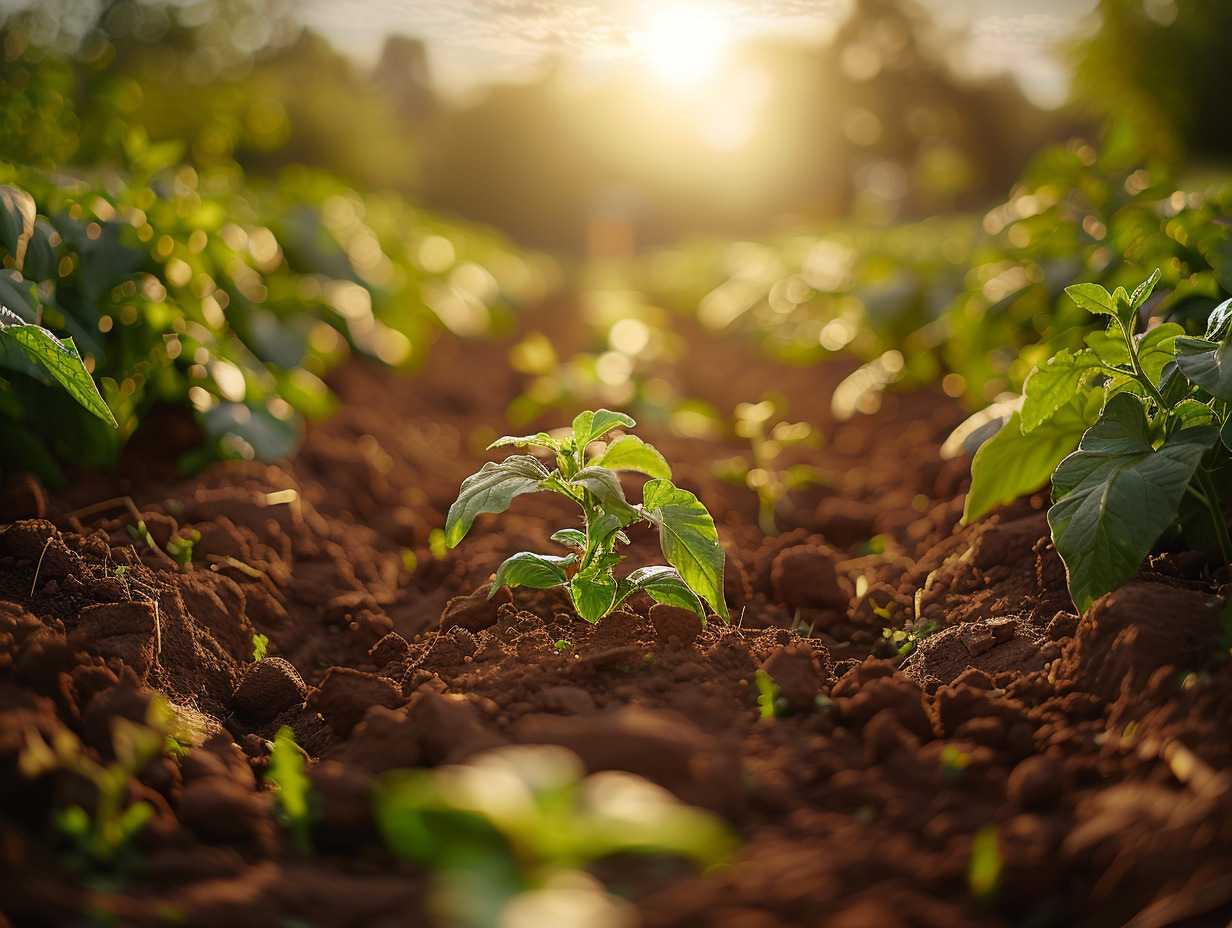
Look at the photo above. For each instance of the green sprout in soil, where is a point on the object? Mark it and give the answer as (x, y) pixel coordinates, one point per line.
(1134, 430)
(104, 838)
(769, 701)
(905, 640)
(766, 475)
(687, 534)
(292, 789)
(260, 644)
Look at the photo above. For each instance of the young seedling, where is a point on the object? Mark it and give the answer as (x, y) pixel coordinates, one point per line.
(766, 475)
(687, 533)
(1134, 431)
(103, 839)
(292, 788)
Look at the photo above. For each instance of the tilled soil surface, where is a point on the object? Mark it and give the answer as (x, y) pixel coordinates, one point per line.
(1095, 749)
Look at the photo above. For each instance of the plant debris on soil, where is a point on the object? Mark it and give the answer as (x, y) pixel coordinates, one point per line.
(1095, 749)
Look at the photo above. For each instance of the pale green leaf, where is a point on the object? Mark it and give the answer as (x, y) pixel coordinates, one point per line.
(1050, 387)
(538, 440)
(631, 453)
(587, 426)
(663, 585)
(537, 571)
(1143, 291)
(59, 359)
(689, 539)
(593, 597)
(1093, 298)
(492, 489)
(1011, 464)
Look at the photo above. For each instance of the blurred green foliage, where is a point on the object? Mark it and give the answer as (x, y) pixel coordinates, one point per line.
(198, 284)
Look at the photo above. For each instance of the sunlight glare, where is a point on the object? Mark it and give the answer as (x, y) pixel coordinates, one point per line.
(685, 46)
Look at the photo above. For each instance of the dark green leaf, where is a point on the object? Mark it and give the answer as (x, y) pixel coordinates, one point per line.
(689, 539)
(537, 571)
(492, 489)
(1207, 364)
(18, 296)
(593, 597)
(1010, 464)
(663, 585)
(1116, 494)
(61, 360)
(631, 453)
(1050, 387)
(588, 426)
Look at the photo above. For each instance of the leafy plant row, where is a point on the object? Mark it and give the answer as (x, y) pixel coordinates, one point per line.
(232, 295)
(976, 300)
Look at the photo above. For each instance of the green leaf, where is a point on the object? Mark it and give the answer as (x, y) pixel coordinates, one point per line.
(538, 440)
(1156, 349)
(689, 539)
(570, 536)
(588, 426)
(291, 785)
(631, 453)
(537, 571)
(1049, 388)
(1011, 464)
(1207, 364)
(663, 585)
(1219, 322)
(1143, 291)
(59, 359)
(605, 486)
(19, 296)
(593, 597)
(492, 489)
(1116, 494)
(1109, 346)
(1093, 298)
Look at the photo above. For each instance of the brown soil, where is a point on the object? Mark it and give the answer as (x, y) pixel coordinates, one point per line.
(1098, 747)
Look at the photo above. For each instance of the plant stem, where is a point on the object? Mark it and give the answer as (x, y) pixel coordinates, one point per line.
(1139, 373)
(1212, 501)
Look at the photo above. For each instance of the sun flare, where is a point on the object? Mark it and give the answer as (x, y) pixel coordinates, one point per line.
(686, 46)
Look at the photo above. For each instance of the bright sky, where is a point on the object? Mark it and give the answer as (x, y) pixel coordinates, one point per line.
(473, 42)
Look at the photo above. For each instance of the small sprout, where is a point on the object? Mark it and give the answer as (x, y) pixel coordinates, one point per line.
(564, 644)
(292, 789)
(260, 643)
(409, 560)
(104, 839)
(180, 549)
(437, 545)
(766, 475)
(769, 698)
(687, 533)
(984, 865)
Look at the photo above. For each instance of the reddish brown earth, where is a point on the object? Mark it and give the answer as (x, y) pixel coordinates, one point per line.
(1098, 747)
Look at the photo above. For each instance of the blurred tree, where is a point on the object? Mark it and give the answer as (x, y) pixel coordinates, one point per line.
(1160, 69)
